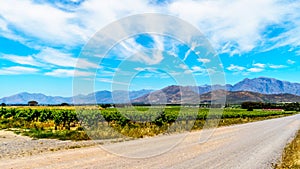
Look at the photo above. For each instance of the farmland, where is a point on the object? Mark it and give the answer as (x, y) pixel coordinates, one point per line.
(94, 122)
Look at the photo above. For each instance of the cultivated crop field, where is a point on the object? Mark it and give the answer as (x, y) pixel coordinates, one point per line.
(93, 122)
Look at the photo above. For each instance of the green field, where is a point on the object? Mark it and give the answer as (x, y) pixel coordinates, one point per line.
(87, 122)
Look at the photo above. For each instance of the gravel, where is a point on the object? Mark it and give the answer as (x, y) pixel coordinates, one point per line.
(15, 146)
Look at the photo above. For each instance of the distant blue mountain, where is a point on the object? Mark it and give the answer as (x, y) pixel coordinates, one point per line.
(262, 85)
(23, 98)
(97, 97)
(266, 85)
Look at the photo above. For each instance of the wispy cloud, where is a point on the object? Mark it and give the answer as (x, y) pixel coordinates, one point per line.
(52, 25)
(195, 70)
(192, 48)
(255, 69)
(290, 37)
(24, 60)
(107, 80)
(245, 71)
(3, 25)
(199, 71)
(57, 58)
(50, 57)
(291, 62)
(260, 65)
(277, 66)
(68, 73)
(131, 50)
(233, 27)
(183, 66)
(204, 60)
(16, 70)
(46, 23)
(139, 69)
(149, 69)
(233, 67)
(239, 26)
(153, 75)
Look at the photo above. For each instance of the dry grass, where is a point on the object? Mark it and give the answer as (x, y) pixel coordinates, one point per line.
(291, 155)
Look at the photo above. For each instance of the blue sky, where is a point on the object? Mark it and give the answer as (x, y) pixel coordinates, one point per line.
(40, 43)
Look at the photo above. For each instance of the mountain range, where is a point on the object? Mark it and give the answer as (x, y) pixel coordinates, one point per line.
(118, 96)
(257, 89)
(216, 96)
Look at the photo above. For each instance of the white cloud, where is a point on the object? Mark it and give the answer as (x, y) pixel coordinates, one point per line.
(131, 50)
(277, 66)
(128, 48)
(195, 70)
(183, 66)
(198, 69)
(292, 25)
(68, 73)
(260, 65)
(50, 56)
(158, 42)
(232, 27)
(42, 21)
(192, 48)
(139, 69)
(187, 72)
(212, 71)
(3, 25)
(291, 62)
(105, 73)
(172, 48)
(55, 27)
(233, 67)
(174, 73)
(153, 75)
(55, 57)
(24, 60)
(255, 70)
(84, 64)
(204, 60)
(239, 24)
(107, 80)
(16, 70)
(149, 69)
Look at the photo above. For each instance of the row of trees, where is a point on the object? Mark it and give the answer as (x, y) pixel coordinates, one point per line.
(261, 105)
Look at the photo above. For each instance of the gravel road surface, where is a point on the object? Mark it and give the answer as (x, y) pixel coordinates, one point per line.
(255, 145)
(16, 146)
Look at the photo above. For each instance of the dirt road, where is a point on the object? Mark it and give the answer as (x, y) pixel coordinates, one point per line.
(253, 145)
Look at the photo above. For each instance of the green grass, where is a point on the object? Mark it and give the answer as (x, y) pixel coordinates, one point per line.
(61, 134)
